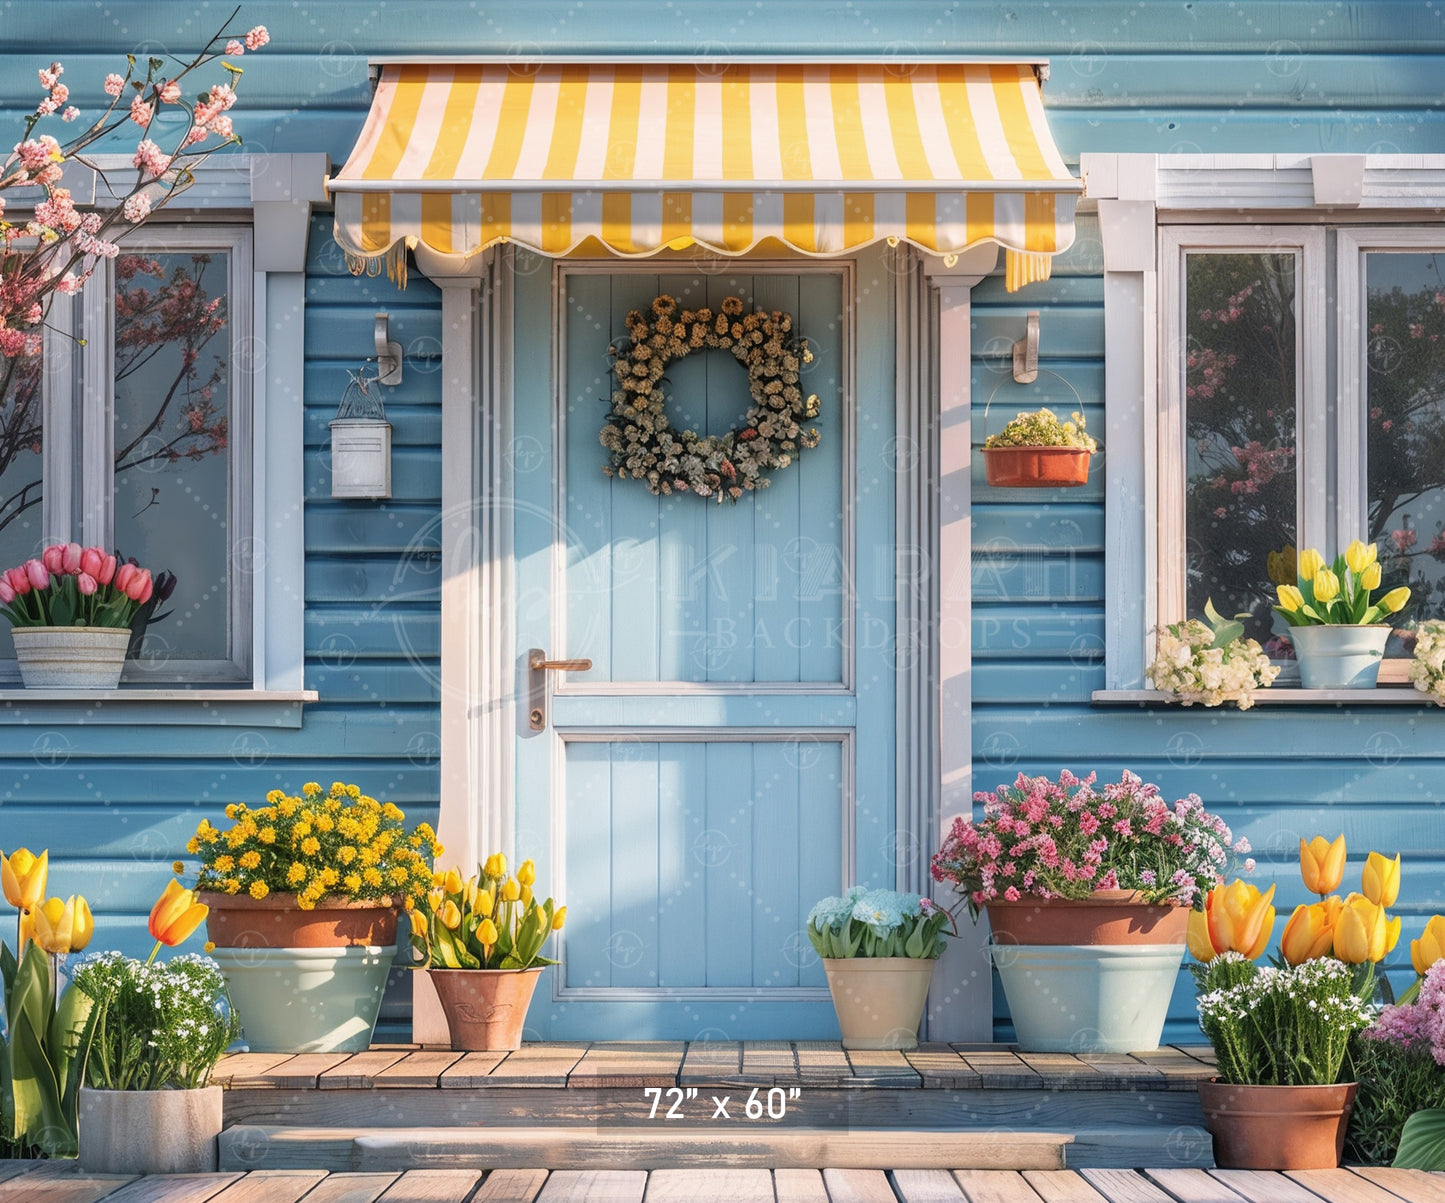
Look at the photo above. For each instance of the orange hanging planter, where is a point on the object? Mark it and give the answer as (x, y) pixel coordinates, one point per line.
(1036, 467)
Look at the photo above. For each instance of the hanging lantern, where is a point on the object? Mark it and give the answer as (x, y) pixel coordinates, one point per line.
(360, 442)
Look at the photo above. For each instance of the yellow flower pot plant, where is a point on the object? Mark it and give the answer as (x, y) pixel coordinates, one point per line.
(303, 895)
(480, 940)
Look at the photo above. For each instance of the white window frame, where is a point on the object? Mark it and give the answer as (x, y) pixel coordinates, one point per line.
(232, 195)
(1150, 208)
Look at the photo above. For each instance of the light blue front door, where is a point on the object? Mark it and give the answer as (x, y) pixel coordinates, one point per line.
(729, 758)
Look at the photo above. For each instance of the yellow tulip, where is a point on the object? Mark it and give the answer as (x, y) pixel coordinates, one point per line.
(1308, 934)
(418, 924)
(527, 874)
(559, 917)
(176, 914)
(1240, 918)
(452, 883)
(1322, 864)
(450, 916)
(1282, 566)
(1381, 879)
(1370, 578)
(84, 925)
(1290, 598)
(52, 924)
(1396, 600)
(1310, 562)
(487, 933)
(496, 865)
(23, 875)
(1327, 586)
(1430, 947)
(485, 903)
(1200, 945)
(1364, 932)
(526, 895)
(511, 891)
(1359, 556)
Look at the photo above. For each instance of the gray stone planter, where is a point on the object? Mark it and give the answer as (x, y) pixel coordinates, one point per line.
(149, 1131)
(70, 657)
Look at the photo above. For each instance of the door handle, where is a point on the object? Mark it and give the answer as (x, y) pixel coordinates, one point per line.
(539, 664)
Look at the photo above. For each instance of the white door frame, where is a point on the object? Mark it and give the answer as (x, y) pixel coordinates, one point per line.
(478, 679)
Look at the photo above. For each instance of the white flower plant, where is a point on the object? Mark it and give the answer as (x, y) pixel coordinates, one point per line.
(1210, 662)
(878, 923)
(1427, 670)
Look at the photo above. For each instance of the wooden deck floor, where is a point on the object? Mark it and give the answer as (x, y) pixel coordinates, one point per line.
(59, 1182)
(818, 1065)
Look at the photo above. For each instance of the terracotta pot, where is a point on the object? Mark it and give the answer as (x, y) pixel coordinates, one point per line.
(485, 1008)
(1036, 467)
(240, 921)
(879, 1000)
(1277, 1127)
(1106, 917)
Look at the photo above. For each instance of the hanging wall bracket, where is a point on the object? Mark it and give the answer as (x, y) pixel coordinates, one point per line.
(388, 353)
(1026, 352)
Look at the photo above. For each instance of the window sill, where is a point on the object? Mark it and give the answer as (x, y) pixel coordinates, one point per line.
(1384, 695)
(203, 706)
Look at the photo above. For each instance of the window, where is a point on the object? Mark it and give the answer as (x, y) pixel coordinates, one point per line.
(135, 436)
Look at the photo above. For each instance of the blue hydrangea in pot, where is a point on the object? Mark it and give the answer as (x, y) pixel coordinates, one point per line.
(878, 949)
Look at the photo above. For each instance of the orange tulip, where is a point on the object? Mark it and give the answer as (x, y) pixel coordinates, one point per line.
(1308, 934)
(1381, 879)
(1322, 864)
(1430, 947)
(52, 924)
(1364, 932)
(176, 914)
(23, 874)
(1240, 918)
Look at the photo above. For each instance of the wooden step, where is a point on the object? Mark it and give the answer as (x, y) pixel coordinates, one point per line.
(247, 1147)
(1125, 1146)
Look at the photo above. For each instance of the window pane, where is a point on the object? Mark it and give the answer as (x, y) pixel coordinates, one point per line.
(20, 459)
(1405, 424)
(172, 407)
(1239, 404)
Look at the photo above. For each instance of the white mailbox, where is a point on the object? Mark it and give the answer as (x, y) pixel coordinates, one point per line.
(360, 443)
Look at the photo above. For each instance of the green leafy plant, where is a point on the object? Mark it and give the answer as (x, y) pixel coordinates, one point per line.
(878, 923)
(1396, 1081)
(489, 921)
(1338, 593)
(1042, 428)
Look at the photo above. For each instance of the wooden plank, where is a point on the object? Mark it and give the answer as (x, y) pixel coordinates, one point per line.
(271, 1186)
(1000, 1069)
(1341, 1186)
(538, 1065)
(1125, 1186)
(1119, 1071)
(925, 1186)
(941, 1068)
(594, 1186)
(59, 1182)
(171, 1188)
(416, 1069)
(1260, 1186)
(1179, 1069)
(1415, 1185)
(471, 1070)
(629, 1064)
(881, 1067)
(1200, 1052)
(711, 1061)
(799, 1186)
(995, 1186)
(13, 1169)
(241, 1069)
(358, 1072)
(1193, 1186)
(1062, 1186)
(511, 1186)
(821, 1062)
(771, 1062)
(351, 1188)
(1062, 1071)
(431, 1186)
(688, 1186)
(299, 1073)
(858, 1186)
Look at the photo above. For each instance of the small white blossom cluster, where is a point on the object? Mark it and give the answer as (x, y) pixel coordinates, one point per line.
(1428, 668)
(1188, 666)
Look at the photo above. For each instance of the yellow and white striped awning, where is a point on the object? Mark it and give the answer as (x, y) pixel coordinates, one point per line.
(635, 158)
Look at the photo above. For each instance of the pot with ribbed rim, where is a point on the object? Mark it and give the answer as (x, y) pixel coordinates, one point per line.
(1339, 655)
(1105, 917)
(1277, 1127)
(277, 921)
(70, 657)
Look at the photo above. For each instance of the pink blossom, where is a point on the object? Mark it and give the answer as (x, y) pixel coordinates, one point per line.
(124, 575)
(141, 112)
(169, 92)
(59, 95)
(221, 96)
(107, 570)
(150, 158)
(18, 579)
(1403, 539)
(36, 572)
(221, 126)
(235, 48)
(86, 583)
(70, 114)
(70, 559)
(137, 208)
(257, 38)
(49, 77)
(53, 557)
(113, 84)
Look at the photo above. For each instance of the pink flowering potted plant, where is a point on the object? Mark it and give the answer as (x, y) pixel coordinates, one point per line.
(1088, 892)
(70, 615)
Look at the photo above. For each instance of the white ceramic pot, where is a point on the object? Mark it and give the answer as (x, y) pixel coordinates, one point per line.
(1339, 655)
(149, 1131)
(70, 657)
(1088, 998)
(879, 1000)
(306, 1000)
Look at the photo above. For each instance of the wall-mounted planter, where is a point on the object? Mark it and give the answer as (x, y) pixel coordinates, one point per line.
(1036, 467)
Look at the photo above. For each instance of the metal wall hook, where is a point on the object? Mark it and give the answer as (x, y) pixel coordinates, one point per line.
(1026, 352)
(388, 353)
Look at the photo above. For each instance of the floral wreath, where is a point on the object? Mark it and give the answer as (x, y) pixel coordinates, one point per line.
(644, 445)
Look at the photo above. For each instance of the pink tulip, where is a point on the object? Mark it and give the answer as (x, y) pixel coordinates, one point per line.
(107, 571)
(18, 580)
(138, 587)
(7, 594)
(123, 577)
(71, 560)
(38, 574)
(90, 561)
(53, 557)
(86, 583)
